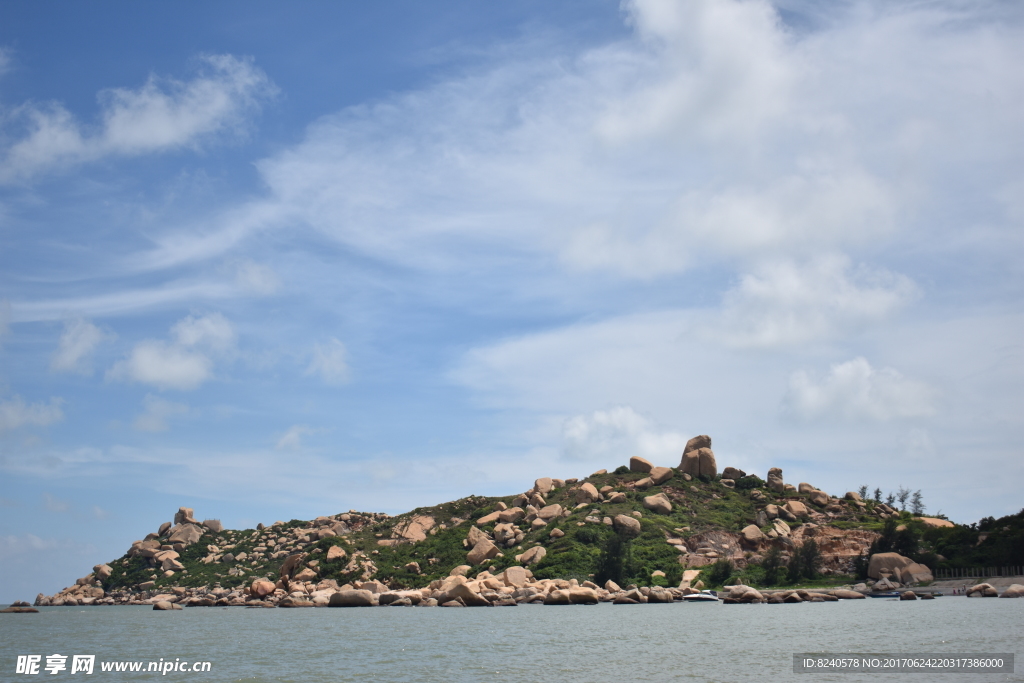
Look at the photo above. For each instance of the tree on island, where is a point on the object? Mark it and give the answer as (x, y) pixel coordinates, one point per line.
(863, 491)
(902, 497)
(771, 564)
(890, 499)
(877, 495)
(917, 503)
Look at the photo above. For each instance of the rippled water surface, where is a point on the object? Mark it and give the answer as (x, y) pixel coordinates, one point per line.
(685, 642)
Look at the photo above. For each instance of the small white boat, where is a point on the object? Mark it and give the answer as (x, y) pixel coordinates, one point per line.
(703, 596)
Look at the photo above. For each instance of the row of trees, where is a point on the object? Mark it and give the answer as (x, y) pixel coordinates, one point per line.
(901, 497)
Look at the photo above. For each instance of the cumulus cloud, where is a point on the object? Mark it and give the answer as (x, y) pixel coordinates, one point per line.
(212, 332)
(163, 114)
(184, 363)
(156, 414)
(616, 435)
(257, 278)
(854, 390)
(16, 413)
(330, 362)
(785, 303)
(291, 440)
(77, 342)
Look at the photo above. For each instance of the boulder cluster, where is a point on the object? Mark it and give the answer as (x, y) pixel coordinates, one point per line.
(284, 564)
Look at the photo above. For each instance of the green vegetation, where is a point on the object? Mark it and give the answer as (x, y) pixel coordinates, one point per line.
(589, 548)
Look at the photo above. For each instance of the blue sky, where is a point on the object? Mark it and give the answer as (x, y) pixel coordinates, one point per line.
(276, 262)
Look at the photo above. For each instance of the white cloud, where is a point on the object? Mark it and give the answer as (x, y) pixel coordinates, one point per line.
(162, 114)
(79, 339)
(788, 304)
(16, 413)
(100, 513)
(163, 365)
(292, 439)
(25, 545)
(210, 331)
(616, 434)
(156, 414)
(854, 390)
(330, 362)
(184, 364)
(257, 278)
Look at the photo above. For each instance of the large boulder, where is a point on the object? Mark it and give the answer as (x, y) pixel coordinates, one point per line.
(804, 487)
(533, 555)
(559, 596)
(916, 573)
(659, 475)
(638, 464)
(985, 590)
(186, 534)
(512, 515)
(658, 503)
(163, 605)
(697, 443)
(780, 527)
(415, 529)
(751, 535)
(582, 596)
(182, 515)
(213, 525)
(335, 552)
(102, 571)
(626, 525)
(1014, 591)
(543, 486)
(774, 480)
(261, 588)
(796, 508)
(690, 464)
(515, 576)
(819, 497)
(587, 493)
(489, 518)
(353, 598)
(846, 594)
(476, 535)
(935, 522)
(852, 495)
(708, 466)
(889, 564)
(733, 473)
(550, 511)
(482, 551)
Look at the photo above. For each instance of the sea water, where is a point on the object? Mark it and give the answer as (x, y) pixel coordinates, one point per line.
(528, 643)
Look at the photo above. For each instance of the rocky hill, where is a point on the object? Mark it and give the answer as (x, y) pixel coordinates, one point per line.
(640, 524)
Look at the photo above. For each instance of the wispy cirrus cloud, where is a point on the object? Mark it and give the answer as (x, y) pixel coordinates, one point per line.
(163, 114)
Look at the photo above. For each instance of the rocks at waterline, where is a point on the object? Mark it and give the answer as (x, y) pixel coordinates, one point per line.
(1015, 590)
(985, 590)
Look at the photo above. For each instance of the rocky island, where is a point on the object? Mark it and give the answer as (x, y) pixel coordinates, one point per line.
(640, 534)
